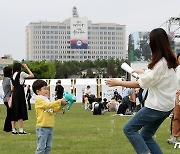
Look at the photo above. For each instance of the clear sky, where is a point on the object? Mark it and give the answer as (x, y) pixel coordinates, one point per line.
(137, 15)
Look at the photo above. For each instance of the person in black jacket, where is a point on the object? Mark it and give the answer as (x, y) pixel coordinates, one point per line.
(28, 97)
(59, 90)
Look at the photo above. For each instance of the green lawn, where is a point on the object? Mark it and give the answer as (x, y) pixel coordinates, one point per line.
(80, 132)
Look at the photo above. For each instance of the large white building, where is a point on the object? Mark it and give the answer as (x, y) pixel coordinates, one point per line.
(75, 38)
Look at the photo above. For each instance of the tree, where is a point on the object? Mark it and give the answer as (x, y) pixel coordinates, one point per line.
(137, 53)
(74, 67)
(51, 73)
(59, 69)
(130, 47)
(42, 69)
(120, 72)
(86, 64)
(111, 68)
(89, 73)
(146, 52)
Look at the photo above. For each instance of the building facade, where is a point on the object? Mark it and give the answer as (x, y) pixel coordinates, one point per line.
(177, 48)
(4, 61)
(75, 38)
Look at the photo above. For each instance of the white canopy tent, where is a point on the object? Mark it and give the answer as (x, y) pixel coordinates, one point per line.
(81, 84)
(30, 82)
(140, 65)
(108, 92)
(66, 83)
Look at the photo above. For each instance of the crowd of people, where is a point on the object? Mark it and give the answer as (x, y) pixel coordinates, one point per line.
(150, 99)
(130, 101)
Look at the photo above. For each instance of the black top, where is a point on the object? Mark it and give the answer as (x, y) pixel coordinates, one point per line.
(28, 94)
(19, 109)
(60, 90)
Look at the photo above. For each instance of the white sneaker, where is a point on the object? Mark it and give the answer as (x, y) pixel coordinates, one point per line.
(172, 140)
(23, 133)
(14, 132)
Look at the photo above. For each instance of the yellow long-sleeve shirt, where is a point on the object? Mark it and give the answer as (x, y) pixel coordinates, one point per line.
(45, 119)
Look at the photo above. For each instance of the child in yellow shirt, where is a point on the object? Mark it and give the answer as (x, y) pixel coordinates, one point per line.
(45, 116)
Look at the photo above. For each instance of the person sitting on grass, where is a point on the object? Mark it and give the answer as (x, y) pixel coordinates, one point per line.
(97, 107)
(105, 102)
(45, 116)
(113, 105)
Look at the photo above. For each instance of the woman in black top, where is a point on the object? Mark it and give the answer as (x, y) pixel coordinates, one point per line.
(19, 109)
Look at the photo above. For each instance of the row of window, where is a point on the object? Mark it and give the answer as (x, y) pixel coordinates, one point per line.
(105, 33)
(68, 37)
(76, 57)
(68, 47)
(51, 42)
(51, 27)
(68, 42)
(50, 37)
(77, 52)
(68, 27)
(51, 47)
(108, 38)
(105, 28)
(68, 32)
(51, 32)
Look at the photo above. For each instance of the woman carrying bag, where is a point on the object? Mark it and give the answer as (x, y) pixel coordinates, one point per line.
(7, 86)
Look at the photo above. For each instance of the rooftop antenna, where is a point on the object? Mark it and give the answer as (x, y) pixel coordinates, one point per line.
(75, 13)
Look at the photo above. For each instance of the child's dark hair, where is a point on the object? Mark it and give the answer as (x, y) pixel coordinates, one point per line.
(38, 84)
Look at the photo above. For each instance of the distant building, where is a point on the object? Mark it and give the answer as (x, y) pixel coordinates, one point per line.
(177, 48)
(138, 47)
(4, 61)
(76, 38)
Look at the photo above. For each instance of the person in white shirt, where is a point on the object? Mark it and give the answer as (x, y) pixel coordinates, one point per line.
(126, 92)
(87, 90)
(162, 83)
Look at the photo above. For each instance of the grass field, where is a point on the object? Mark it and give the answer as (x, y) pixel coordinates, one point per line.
(80, 132)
